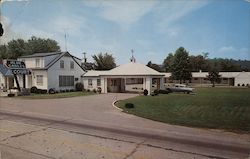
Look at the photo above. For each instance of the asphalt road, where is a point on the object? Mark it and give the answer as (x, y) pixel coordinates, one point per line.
(89, 127)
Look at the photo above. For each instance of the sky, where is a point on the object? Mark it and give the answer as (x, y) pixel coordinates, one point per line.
(152, 28)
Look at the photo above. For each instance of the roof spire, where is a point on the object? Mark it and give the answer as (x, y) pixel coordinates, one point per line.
(132, 59)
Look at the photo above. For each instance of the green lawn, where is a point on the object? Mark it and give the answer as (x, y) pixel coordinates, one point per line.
(57, 95)
(222, 108)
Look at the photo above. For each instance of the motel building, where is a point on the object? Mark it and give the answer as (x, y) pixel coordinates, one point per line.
(130, 77)
(57, 70)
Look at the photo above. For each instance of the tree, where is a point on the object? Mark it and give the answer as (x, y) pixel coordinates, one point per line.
(168, 62)
(104, 61)
(181, 67)
(213, 76)
(3, 52)
(198, 63)
(154, 66)
(39, 45)
(20, 47)
(17, 48)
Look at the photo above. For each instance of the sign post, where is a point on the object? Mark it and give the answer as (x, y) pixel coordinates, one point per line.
(18, 68)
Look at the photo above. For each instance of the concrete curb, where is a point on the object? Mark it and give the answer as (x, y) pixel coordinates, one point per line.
(113, 104)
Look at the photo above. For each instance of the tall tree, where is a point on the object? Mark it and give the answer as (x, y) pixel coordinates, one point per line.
(154, 66)
(104, 61)
(198, 63)
(181, 66)
(168, 62)
(213, 76)
(39, 45)
(3, 52)
(19, 47)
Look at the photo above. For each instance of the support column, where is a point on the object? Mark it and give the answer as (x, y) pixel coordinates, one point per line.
(24, 81)
(149, 84)
(162, 83)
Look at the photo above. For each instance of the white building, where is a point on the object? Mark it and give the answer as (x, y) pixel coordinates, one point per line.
(130, 77)
(227, 78)
(58, 70)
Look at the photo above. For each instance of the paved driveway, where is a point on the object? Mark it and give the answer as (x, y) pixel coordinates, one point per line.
(98, 109)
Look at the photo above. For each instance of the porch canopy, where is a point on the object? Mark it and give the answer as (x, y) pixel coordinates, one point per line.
(130, 77)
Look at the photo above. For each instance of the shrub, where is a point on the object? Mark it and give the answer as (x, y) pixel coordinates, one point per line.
(94, 90)
(156, 92)
(44, 91)
(71, 90)
(88, 90)
(79, 86)
(145, 92)
(99, 90)
(11, 95)
(52, 91)
(162, 91)
(247, 85)
(129, 105)
(33, 89)
(243, 85)
(238, 85)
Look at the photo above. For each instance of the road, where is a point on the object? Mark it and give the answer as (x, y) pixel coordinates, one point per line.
(32, 129)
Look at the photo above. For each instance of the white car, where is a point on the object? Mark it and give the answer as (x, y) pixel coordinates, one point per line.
(180, 88)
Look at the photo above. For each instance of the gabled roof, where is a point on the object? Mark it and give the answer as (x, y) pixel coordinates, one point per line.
(5, 70)
(133, 68)
(40, 54)
(94, 73)
(129, 69)
(58, 56)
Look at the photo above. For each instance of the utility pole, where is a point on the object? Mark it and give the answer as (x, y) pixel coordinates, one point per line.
(84, 57)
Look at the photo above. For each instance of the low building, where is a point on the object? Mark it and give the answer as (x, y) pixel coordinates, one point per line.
(58, 70)
(227, 79)
(130, 77)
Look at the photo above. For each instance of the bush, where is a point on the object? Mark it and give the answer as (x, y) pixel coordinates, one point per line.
(243, 85)
(94, 90)
(247, 85)
(71, 90)
(99, 90)
(11, 95)
(129, 105)
(161, 91)
(42, 91)
(33, 89)
(145, 92)
(79, 86)
(238, 85)
(52, 91)
(88, 90)
(156, 92)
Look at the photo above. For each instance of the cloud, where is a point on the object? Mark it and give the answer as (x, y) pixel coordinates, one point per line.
(234, 52)
(125, 13)
(172, 11)
(226, 49)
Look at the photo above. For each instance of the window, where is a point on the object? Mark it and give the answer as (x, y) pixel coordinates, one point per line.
(134, 81)
(39, 80)
(61, 64)
(71, 64)
(98, 82)
(65, 81)
(38, 63)
(89, 82)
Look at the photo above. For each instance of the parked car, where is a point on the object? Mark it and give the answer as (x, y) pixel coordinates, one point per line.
(180, 88)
